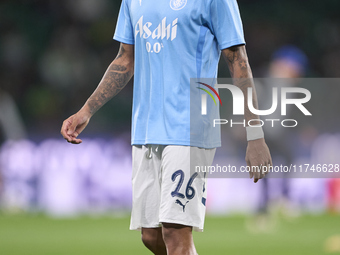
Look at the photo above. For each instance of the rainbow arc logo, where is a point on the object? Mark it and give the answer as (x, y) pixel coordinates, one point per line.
(209, 93)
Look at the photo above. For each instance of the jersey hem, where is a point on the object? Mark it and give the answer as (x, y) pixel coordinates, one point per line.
(123, 40)
(178, 142)
(232, 43)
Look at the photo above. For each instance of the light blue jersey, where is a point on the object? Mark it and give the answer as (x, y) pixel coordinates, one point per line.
(174, 41)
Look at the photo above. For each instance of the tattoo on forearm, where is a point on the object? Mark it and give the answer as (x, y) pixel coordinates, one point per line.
(241, 73)
(114, 80)
(238, 65)
(121, 52)
(118, 68)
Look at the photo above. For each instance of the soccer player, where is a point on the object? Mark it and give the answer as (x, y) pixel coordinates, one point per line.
(164, 43)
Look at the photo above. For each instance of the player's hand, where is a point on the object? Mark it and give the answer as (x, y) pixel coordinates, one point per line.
(258, 154)
(74, 125)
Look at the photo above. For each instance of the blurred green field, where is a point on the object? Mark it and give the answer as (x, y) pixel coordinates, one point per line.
(39, 235)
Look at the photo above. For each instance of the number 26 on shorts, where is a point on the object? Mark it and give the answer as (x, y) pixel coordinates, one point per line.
(189, 191)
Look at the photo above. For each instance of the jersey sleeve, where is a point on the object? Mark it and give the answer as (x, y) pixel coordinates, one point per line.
(124, 28)
(225, 23)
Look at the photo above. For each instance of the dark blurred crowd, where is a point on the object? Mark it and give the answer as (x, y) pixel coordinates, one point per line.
(53, 53)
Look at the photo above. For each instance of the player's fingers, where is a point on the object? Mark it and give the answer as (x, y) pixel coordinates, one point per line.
(250, 170)
(64, 128)
(265, 169)
(261, 171)
(76, 126)
(253, 173)
(270, 165)
(257, 174)
(79, 129)
(74, 140)
(72, 127)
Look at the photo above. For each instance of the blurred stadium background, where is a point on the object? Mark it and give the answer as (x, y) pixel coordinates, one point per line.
(57, 198)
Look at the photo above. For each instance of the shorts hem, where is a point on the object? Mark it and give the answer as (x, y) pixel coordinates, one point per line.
(194, 226)
(139, 228)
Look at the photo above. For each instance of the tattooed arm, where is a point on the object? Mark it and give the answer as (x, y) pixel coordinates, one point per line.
(237, 60)
(257, 151)
(114, 80)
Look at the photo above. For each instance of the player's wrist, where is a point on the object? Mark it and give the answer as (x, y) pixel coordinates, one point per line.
(254, 133)
(85, 110)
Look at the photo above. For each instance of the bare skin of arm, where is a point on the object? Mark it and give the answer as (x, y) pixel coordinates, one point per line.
(114, 80)
(257, 153)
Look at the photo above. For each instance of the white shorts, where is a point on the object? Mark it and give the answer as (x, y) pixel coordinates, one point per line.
(165, 189)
